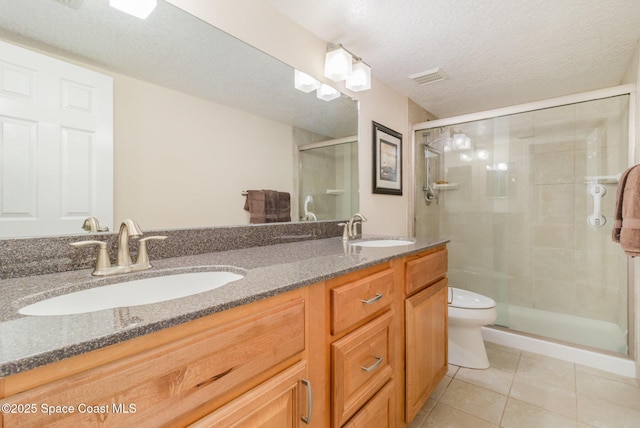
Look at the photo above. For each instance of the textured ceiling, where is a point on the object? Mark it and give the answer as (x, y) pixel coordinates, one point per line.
(173, 49)
(495, 53)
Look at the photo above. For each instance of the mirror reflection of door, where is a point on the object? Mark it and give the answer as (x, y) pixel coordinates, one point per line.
(56, 145)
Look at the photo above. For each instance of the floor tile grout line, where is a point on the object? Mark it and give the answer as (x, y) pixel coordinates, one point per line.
(513, 379)
(575, 381)
(475, 386)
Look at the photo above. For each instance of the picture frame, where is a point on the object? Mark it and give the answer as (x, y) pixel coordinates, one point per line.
(387, 160)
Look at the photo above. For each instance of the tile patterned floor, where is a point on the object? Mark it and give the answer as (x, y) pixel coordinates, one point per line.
(527, 390)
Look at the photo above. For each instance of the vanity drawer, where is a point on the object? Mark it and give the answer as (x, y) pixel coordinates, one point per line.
(424, 270)
(174, 379)
(355, 301)
(361, 365)
(377, 413)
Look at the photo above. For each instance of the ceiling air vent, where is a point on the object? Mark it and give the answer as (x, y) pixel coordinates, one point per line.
(74, 4)
(427, 77)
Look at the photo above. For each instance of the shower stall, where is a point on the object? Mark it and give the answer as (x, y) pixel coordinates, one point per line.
(328, 179)
(526, 197)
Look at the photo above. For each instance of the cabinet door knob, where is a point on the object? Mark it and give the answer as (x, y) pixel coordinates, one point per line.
(374, 365)
(374, 299)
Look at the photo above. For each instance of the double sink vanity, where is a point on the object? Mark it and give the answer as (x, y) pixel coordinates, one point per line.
(314, 331)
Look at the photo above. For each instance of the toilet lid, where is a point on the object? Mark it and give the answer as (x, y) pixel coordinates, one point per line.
(465, 299)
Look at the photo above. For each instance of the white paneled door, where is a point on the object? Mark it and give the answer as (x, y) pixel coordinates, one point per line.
(56, 145)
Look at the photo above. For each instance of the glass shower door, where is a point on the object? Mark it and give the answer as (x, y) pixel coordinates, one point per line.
(527, 202)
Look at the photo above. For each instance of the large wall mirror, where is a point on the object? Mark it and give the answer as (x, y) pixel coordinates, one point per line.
(199, 117)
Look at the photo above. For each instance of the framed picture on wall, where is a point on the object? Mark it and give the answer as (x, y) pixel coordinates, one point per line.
(387, 160)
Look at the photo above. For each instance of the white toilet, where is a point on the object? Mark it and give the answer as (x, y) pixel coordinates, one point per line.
(468, 312)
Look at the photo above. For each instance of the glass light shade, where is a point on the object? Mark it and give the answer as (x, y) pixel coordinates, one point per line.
(461, 142)
(304, 82)
(327, 93)
(482, 154)
(465, 157)
(360, 79)
(338, 65)
(137, 8)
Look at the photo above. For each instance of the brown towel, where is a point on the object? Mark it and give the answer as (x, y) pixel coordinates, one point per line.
(268, 206)
(626, 227)
(284, 207)
(272, 202)
(255, 204)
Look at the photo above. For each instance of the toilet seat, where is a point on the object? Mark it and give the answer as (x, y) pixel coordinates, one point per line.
(465, 299)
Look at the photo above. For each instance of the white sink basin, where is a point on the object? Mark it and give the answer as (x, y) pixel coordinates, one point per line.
(383, 243)
(131, 293)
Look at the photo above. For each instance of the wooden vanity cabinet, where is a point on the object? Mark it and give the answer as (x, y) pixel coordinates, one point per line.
(425, 327)
(255, 351)
(367, 348)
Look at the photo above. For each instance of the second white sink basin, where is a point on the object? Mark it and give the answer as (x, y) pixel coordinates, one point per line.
(131, 293)
(383, 243)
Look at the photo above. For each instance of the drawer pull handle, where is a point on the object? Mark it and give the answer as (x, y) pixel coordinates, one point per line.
(307, 419)
(374, 365)
(374, 299)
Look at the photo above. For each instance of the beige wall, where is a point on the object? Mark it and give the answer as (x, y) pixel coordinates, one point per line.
(259, 24)
(181, 161)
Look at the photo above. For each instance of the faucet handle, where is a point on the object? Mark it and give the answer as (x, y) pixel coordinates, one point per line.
(102, 261)
(345, 231)
(143, 254)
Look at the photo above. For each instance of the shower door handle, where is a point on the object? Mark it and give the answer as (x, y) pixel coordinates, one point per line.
(597, 191)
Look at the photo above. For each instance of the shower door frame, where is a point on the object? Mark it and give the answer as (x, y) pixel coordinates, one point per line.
(633, 287)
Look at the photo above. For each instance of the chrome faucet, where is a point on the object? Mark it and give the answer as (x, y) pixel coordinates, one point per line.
(353, 224)
(350, 230)
(91, 224)
(127, 228)
(124, 264)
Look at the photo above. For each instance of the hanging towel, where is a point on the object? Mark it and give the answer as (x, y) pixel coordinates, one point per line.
(268, 206)
(284, 207)
(255, 204)
(272, 204)
(626, 227)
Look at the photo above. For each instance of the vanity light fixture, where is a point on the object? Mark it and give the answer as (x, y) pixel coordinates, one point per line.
(360, 79)
(327, 93)
(338, 63)
(305, 83)
(138, 8)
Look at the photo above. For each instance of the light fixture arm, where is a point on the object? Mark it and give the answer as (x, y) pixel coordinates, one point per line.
(334, 46)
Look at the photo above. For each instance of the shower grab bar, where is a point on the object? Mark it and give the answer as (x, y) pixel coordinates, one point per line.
(597, 191)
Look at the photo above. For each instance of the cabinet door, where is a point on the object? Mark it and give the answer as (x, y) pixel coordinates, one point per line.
(281, 402)
(426, 344)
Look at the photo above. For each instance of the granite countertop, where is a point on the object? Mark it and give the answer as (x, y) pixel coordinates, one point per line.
(27, 342)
